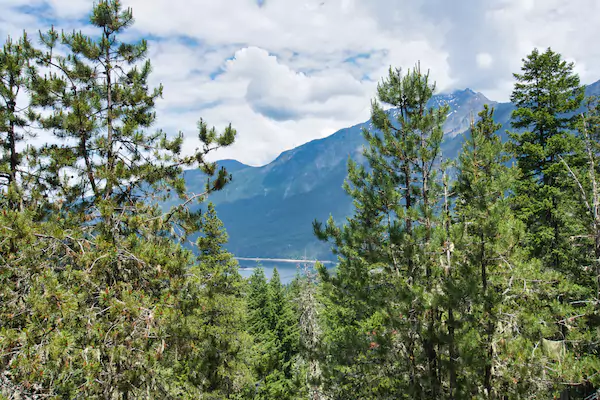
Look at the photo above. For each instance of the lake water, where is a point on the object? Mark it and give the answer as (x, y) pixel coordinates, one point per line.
(287, 269)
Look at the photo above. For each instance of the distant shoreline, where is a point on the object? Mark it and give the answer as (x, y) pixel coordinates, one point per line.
(285, 260)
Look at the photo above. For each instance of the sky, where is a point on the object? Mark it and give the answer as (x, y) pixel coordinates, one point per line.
(284, 72)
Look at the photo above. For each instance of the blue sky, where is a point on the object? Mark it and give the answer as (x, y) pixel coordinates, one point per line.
(284, 72)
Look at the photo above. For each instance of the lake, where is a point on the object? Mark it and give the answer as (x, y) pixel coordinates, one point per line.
(287, 268)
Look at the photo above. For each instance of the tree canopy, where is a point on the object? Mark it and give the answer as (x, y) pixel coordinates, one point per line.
(477, 277)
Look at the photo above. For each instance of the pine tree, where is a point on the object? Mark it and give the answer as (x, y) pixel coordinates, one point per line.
(481, 185)
(546, 95)
(589, 126)
(102, 107)
(382, 307)
(487, 260)
(99, 289)
(16, 68)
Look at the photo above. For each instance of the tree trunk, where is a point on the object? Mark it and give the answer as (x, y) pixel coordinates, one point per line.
(489, 329)
(109, 119)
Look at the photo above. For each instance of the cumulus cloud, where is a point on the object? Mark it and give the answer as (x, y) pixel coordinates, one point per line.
(285, 72)
(280, 93)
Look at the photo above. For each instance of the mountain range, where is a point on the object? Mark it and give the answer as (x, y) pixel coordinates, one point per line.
(268, 210)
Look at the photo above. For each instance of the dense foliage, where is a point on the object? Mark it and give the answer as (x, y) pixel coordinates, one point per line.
(477, 288)
(98, 297)
(470, 278)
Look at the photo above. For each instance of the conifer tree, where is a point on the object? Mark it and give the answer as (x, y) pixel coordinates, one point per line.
(589, 127)
(215, 308)
(16, 68)
(487, 260)
(99, 289)
(284, 324)
(101, 107)
(259, 325)
(546, 94)
(276, 338)
(547, 199)
(258, 302)
(382, 307)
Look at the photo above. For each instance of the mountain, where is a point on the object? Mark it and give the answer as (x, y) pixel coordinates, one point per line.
(593, 89)
(462, 104)
(268, 211)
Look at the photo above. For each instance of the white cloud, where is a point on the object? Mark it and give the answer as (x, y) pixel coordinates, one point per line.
(286, 72)
(280, 93)
(484, 60)
(272, 106)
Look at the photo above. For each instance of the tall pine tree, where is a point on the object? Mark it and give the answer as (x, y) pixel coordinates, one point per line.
(100, 285)
(382, 313)
(496, 359)
(17, 66)
(586, 179)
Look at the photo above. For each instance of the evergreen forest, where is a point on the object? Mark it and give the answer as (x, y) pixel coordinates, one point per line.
(469, 278)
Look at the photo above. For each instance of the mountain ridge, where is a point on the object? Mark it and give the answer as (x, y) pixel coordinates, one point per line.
(268, 210)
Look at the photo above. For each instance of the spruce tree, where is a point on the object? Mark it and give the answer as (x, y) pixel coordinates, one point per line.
(547, 199)
(546, 94)
(276, 334)
(284, 324)
(214, 316)
(259, 325)
(258, 300)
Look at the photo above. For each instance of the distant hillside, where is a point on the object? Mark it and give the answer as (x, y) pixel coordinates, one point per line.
(268, 211)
